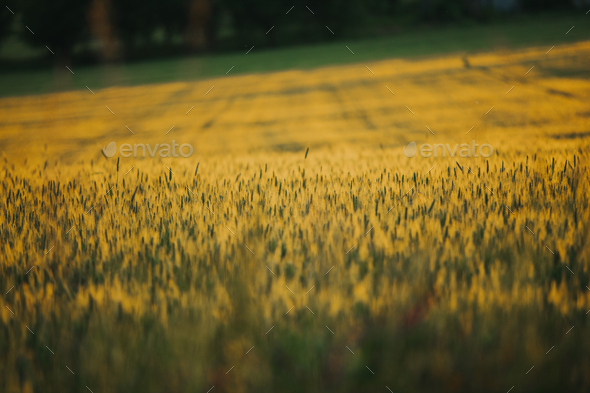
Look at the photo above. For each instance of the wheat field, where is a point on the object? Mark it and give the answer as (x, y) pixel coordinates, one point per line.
(298, 249)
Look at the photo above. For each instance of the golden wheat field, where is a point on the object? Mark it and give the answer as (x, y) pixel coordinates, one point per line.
(298, 249)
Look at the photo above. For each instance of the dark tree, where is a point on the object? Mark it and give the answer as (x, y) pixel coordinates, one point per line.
(134, 20)
(57, 24)
(7, 19)
(545, 5)
(306, 22)
(203, 24)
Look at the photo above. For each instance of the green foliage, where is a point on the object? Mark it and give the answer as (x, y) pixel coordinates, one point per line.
(155, 28)
(136, 21)
(6, 19)
(58, 24)
(544, 5)
(296, 21)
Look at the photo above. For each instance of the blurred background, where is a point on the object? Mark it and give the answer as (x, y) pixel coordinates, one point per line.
(112, 33)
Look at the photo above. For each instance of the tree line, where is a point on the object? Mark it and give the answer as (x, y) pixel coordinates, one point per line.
(114, 29)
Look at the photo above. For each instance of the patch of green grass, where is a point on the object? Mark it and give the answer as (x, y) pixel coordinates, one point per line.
(525, 31)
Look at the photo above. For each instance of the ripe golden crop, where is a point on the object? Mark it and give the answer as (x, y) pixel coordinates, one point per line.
(160, 274)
